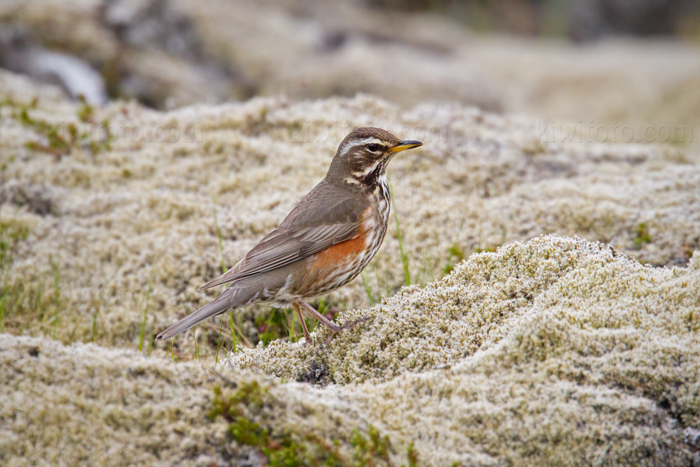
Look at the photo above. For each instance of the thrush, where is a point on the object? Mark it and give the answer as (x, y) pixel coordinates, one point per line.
(322, 244)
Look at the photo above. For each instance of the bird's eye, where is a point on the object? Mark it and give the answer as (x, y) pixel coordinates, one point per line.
(373, 147)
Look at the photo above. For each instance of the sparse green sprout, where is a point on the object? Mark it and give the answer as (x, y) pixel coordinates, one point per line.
(642, 236)
(142, 324)
(399, 237)
(283, 448)
(86, 112)
(56, 295)
(196, 346)
(221, 242)
(24, 306)
(59, 142)
(412, 455)
(368, 290)
(455, 255)
(11, 234)
(218, 341)
(273, 326)
(94, 323)
(368, 450)
(235, 341)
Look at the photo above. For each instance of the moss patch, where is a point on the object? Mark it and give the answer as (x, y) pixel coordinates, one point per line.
(536, 354)
(142, 211)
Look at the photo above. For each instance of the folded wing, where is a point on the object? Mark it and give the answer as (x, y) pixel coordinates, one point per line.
(299, 236)
(281, 248)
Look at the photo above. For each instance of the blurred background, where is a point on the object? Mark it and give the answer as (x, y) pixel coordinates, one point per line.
(595, 62)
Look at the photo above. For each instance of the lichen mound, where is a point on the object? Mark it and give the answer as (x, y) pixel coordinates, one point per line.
(557, 351)
(486, 298)
(513, 348)
(92, 228)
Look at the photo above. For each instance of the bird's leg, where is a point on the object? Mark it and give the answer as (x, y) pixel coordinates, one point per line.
(307, 336)
(334, 328)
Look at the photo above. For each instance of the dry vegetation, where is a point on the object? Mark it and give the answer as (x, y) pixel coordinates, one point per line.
(502, 353)
(553, 352)
(108, 245)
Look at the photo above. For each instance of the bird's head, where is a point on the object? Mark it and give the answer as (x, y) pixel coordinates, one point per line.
(363, 155)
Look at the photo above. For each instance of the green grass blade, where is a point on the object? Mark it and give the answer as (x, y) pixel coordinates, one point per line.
(399, 237)
(218, 344)
(221, 242)
(3, 298)
(3, 294)
(142, 325)
(368, 290)
(38, 299)
(292, 327)
(153, 335)
(56, 294)
(172, 351)
(234, 334)
(56, 280)
(196, 346)
(94, 323)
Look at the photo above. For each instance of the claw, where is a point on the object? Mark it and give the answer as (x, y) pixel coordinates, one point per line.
(330, 337)
(332, 327)
(344, 327)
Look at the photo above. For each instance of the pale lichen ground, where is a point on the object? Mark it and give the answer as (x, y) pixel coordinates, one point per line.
(554, 351)
(557, 351)
(100, 227)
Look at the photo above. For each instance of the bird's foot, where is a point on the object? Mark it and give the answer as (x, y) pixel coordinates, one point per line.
(338, 329)
(332, 327)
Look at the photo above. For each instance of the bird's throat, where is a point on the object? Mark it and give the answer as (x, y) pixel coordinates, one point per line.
(370, 177)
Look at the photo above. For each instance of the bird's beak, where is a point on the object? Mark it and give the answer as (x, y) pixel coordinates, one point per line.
(405, 144)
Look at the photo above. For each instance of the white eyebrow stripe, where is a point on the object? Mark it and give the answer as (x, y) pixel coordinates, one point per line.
(361, 142)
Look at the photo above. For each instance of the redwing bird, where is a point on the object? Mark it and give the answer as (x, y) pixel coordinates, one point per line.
(323, 244)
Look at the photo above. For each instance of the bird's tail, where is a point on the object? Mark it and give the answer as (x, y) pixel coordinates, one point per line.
(230, 298)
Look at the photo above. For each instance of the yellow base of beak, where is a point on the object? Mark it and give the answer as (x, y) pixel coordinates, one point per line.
(405, 144)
